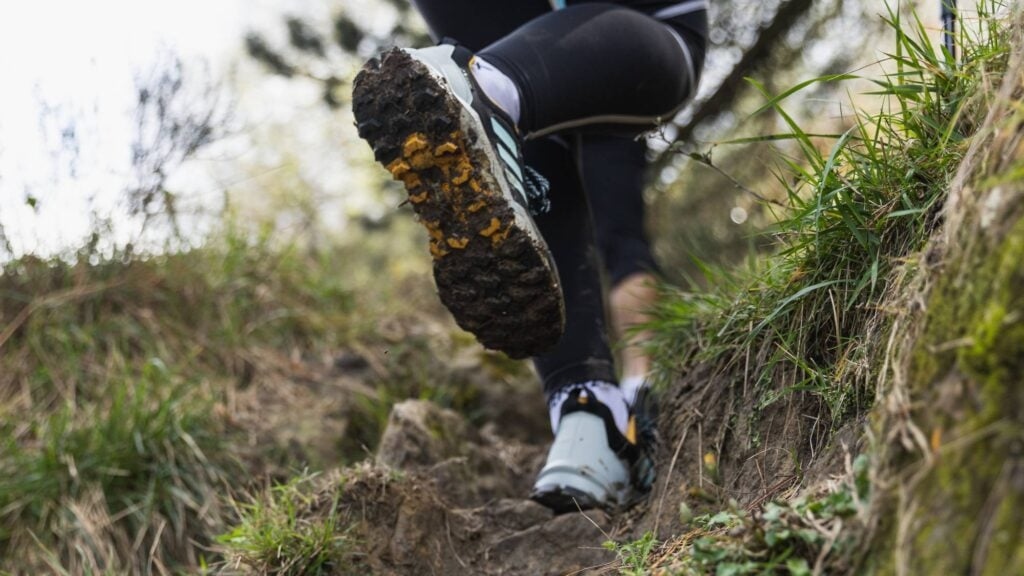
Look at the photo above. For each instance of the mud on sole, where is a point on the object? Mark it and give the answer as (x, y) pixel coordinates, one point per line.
(490, 272)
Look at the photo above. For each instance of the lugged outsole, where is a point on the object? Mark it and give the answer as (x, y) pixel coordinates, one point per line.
(491, 273)
(563, 500)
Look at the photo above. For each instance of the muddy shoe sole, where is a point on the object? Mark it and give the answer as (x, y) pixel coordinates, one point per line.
(492, 268)
(564, 500)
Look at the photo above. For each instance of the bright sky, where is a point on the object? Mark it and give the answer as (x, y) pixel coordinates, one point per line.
(74, 63)
(78, 60)
(64, 60)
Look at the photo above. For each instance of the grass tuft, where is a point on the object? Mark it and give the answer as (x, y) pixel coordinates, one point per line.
(856, 207)
(290, 529)
(128, 473)
(633, 556)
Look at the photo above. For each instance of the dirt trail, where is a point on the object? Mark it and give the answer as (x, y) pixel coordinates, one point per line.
(442, 495)
(445, 498)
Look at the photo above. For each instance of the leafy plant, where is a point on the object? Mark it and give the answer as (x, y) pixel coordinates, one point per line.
(634, 555)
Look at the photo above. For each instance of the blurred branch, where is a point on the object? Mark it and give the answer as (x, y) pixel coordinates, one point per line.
(174, 120)
(308, 55)
(705, 159)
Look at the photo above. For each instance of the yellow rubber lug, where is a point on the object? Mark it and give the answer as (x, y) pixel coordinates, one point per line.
(421, 160)
(498, 238)
(458, 243)
(475, 185)
(434, 229)
(412, 181)
(476, 206)
(465, 170)
(418, 198)
(414, 143)
(446, 148)
(490, 230)
(398, 168)
(436, 251)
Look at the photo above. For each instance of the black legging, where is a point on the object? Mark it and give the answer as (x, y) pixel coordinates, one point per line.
(582, 72)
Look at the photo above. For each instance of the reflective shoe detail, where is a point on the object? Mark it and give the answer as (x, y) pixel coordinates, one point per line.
(582, 471)
(461, 164)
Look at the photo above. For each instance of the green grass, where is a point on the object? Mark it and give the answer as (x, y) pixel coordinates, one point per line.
(291, 529)
(633, 556)
(858, 203)
(861, 204)
(136, 465)
(115, 369)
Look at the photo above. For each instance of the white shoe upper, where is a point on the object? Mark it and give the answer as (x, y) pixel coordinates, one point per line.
(581, 461)
(604, 392)
(439, 60)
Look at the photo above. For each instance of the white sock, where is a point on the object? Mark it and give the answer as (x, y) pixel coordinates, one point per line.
(606, 393)
(631, 387)
(498, 87)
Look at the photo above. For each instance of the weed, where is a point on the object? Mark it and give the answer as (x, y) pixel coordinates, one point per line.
(633, 556)
(794, 538)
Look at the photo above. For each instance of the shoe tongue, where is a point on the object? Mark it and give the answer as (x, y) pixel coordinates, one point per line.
(590, 397)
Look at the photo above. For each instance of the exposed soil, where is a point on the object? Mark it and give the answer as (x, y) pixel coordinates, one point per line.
(442, 496)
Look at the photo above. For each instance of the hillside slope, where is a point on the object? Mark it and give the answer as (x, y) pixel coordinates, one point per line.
(848, 404)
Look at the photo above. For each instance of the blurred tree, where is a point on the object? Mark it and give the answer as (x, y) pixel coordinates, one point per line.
(307, 52)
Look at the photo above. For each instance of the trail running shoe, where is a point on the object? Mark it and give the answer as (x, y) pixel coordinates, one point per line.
(597, 459)
(460, 160)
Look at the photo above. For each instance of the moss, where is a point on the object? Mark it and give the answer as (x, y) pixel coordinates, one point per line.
(964, 377)
(1005, 550)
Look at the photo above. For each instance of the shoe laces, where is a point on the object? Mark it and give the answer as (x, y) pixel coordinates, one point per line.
(537, 187)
